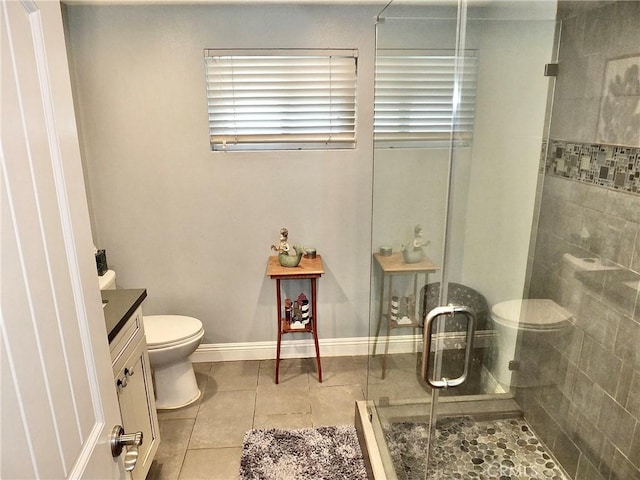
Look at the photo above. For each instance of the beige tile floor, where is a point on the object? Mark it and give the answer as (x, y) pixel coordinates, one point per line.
(204, 440)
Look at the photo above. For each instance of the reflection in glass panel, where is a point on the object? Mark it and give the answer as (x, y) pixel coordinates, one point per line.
(474, 198)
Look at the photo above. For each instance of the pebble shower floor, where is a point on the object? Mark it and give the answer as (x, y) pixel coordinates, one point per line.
(504, 449)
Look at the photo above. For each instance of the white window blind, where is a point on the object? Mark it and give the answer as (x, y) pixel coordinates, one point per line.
(291, 99)
(415, 100)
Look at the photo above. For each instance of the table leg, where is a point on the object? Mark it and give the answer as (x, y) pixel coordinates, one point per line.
(315, 327)
(381, 306)
(386, 343)
(414, 314)
(278, 305)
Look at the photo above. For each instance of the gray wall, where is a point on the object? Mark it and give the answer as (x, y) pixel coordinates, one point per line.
(192, 226)
(495, 178)
(586, 405)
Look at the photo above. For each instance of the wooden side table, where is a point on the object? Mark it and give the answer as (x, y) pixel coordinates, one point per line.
(392, 266)
(309, 268)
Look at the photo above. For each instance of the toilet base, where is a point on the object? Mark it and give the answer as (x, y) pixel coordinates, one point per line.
(175, 385)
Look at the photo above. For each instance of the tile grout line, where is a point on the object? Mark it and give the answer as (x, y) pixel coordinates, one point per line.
(188, 442)
(200, 400)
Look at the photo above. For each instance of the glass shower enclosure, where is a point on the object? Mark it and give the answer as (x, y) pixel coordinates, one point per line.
(462, 96)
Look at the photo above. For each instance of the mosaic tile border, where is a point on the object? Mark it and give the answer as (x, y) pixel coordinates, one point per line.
(610, 166)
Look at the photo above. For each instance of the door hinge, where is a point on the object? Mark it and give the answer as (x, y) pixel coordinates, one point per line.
(551, 70)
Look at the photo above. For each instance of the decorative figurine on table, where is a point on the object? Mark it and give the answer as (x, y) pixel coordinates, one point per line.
(303, 303)
(414, 253)
(407, 308)
(285, 258)
(283, 246)
(287, 310)
(300, 312)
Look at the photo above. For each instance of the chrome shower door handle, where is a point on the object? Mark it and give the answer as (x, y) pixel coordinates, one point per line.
(426, 345)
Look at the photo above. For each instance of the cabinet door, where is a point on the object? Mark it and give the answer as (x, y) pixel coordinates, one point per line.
(137, 406)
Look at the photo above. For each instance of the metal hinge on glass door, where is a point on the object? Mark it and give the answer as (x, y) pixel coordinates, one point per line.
(426, 344)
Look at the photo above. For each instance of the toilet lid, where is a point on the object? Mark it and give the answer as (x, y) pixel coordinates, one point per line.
(534, 314)
(165, 329)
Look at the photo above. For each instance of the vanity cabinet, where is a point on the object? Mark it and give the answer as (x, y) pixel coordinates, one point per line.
(132, 376)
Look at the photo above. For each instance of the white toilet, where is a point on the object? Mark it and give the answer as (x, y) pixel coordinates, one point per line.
(170, 341)
(542, 317)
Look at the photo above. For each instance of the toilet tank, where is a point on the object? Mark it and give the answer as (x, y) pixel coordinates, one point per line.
(108, 280)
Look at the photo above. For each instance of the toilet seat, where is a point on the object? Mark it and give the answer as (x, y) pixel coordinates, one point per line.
(164, 331)
(531, 314)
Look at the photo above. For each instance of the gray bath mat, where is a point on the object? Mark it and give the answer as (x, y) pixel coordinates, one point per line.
(323, 453)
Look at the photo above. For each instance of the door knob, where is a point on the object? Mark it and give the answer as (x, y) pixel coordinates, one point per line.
(132, 440)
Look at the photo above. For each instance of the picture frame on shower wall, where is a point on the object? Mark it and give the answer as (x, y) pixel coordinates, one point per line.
(619, 116)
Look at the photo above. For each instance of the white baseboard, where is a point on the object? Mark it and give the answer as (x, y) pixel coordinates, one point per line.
(331, 347)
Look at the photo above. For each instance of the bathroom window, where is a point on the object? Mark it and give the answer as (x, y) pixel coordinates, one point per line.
(416, 96)
(281, 99)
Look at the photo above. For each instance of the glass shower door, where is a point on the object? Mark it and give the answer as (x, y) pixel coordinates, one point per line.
(417, 72)
(473, 195)
(485, 267)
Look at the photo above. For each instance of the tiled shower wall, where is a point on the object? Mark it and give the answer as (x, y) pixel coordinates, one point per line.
(585, 402)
